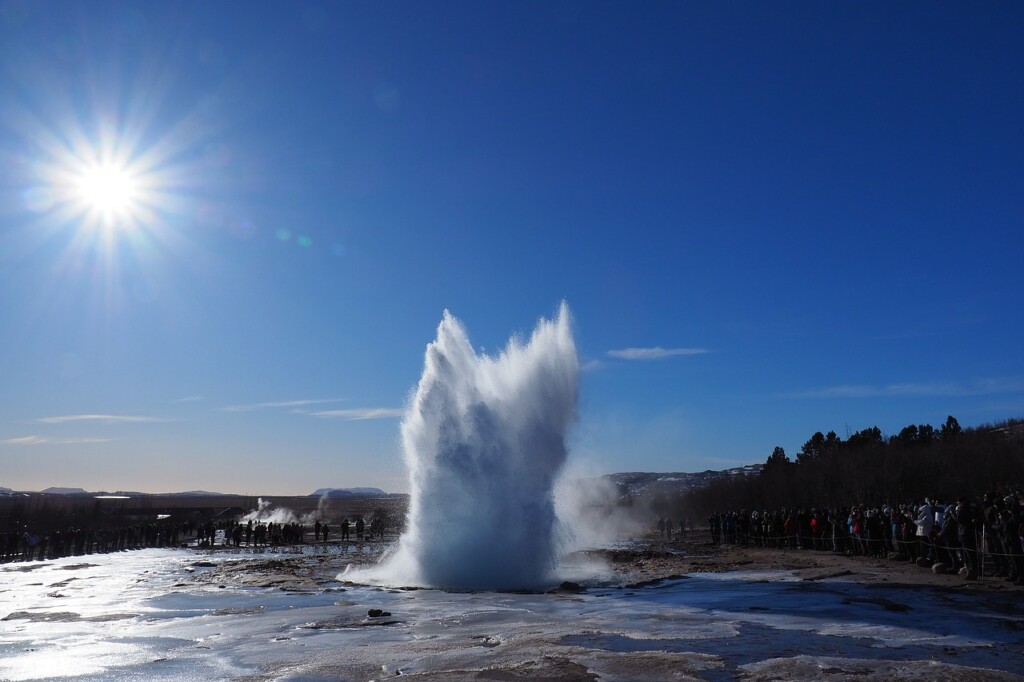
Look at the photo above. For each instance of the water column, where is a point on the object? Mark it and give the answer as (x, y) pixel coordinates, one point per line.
(484, 441)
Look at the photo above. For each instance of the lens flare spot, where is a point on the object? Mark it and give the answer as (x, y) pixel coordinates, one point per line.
(387, 97)
(211, 216)
(38, 199)
(242, 228)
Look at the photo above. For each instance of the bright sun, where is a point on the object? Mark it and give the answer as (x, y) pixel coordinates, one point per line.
(108, 189)
(103, 186)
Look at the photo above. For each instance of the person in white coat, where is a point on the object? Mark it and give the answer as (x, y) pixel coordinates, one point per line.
(925, 522)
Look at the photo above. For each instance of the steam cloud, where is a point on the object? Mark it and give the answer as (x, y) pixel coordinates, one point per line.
(283, 515)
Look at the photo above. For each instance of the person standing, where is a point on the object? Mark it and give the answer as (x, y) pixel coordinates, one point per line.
(925, 523)
(1010, 527)
(966, 534)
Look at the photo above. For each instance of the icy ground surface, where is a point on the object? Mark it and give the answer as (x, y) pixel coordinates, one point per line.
(148, 615)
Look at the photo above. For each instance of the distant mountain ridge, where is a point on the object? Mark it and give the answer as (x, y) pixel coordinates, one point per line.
(649, 484)
(132, 493)
(632, 483)
(63, 491)
(320, 492)
(348, 492)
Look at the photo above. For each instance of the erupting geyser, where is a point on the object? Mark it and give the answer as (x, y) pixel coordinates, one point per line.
(484, 440)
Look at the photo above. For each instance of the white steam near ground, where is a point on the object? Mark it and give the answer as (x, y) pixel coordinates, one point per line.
(589, 513)
(266, 513)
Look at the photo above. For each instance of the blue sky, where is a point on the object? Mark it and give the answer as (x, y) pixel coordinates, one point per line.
(768, 219)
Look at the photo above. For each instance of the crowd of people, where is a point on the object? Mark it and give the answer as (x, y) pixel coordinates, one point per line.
(968, 537)
(28, 544)
(36, 544)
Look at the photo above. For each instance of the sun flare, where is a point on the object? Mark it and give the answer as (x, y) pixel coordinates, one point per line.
(109, 189)
(105, 187)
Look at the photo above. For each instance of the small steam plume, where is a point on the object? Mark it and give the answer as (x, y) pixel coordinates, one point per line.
(283, 515)
(264, 514)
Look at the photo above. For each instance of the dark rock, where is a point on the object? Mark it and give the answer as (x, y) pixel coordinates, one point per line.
(377, 613)
(655, 581)
(344, 624)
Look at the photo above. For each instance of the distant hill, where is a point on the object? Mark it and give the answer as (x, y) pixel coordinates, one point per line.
(186, 493)
(348, 492)
(64, 491)
(649, 484)
(6, 491)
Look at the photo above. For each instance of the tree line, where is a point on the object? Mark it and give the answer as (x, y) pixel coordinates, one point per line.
(869, 467)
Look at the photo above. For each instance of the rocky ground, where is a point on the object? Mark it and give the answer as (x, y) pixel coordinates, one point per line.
(637, 563)
(641, 561)
(653, 559)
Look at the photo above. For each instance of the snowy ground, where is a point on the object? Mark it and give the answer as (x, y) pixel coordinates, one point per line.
(179, 615)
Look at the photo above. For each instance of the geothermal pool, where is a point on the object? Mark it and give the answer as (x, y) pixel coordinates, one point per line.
(176, 615)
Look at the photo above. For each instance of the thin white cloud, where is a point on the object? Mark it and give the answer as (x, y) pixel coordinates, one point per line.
(83, 441)
(191, 399)
(25, 440)
(591, 365)
(105, 418)
(656, 353)
(939, 390)
(361, 413)
(286, 403)
(41, 440)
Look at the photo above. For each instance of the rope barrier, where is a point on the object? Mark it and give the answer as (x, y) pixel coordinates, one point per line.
(836, 539)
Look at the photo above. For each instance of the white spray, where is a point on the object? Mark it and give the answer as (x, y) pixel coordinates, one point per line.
(484, 441)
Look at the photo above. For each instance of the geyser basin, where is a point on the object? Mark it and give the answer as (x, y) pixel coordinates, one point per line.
(484, 441)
